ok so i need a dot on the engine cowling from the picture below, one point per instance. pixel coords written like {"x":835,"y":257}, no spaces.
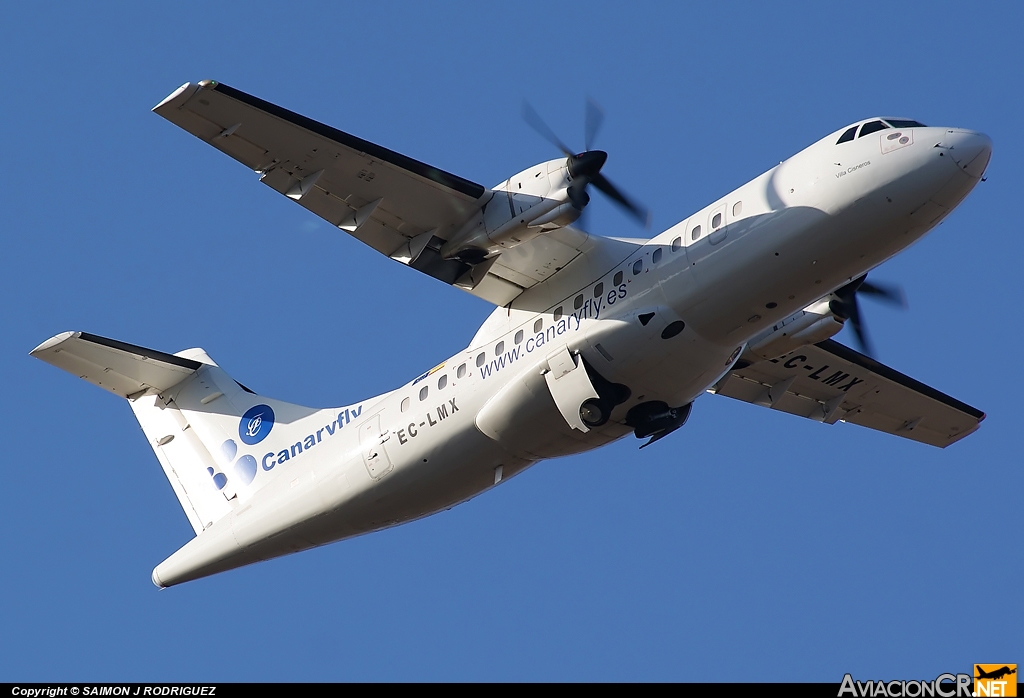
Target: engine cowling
{"x":531,"y":203}
{"x":815,"y":323}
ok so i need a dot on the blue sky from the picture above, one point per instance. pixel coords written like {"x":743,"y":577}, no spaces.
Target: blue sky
{"x":749,"y":546}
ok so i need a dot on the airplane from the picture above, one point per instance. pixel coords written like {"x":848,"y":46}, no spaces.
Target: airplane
{"x":591,"y":338}
{"x":995,"y":673}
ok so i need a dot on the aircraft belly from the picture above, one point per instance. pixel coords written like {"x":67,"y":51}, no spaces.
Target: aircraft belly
{"x":675,"y":368}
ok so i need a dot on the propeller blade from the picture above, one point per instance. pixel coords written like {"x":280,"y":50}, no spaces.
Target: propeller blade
{"x":848,"y":306}
{"x":531,"y":117}
{"x":890,"y":294}
{"x":859,"y":332}
{"x":583,"y":222}
{"x":594,"y":118}
{"x":609,"y":190}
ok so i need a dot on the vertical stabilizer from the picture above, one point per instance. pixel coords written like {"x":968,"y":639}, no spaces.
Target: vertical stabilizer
{"x":203,"y":426}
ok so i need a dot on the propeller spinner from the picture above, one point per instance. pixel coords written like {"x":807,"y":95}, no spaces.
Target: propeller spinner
{"x":585,"y":167}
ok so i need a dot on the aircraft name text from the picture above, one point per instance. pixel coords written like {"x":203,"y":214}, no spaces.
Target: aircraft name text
{"x":834,"y":378}
{"x":272,"y":459}
{"x":431,"y":419}
{"x":590,"y":310}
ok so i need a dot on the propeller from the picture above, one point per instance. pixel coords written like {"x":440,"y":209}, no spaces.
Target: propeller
{"x":585,"y":167}
{"x":846,"y":307}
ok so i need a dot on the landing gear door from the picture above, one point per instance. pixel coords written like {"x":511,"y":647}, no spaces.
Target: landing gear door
{"x":570,"y":386}
{"x":371,"y":443}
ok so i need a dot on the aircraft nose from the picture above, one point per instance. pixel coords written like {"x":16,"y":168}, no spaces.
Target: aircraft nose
{"x":970,"y":150}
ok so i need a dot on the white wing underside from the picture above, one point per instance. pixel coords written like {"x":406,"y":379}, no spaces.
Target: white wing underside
{"x":829,"y":382}
{"x":401,"y":207}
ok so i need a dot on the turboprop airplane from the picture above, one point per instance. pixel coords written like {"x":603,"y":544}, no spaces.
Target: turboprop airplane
{"x":591,"y":338}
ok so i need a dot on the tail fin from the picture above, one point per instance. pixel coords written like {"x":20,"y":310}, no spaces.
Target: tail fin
{"x":195,"y":417}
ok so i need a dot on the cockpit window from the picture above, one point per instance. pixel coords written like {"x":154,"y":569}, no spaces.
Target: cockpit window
{"x":872,"y":127}
{"x":905,"y":123}
{"x":847,"y":135}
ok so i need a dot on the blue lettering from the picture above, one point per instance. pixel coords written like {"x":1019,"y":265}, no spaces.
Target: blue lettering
{"x":272,"y":462}
{"x":297,"y":449}
{"x":310,"y":441}
{"x":282,"y":456}
{"x":330,"y":428}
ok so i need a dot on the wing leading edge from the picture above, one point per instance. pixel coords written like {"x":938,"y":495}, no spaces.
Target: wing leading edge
{"x":829,"y":382}
{"x":399,"y":206}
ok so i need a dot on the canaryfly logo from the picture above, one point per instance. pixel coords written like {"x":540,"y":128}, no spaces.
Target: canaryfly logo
{"x":272,"y":459}
{"x":590,"y":310}
{"x":256,"y":424}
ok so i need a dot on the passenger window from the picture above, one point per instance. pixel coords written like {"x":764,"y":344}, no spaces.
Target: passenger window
{"x":538,"y":326}
{"x":638,"y":266}
{"x":677,"y":244}
{"x":499,"y":348}
{"x":716,"y":221}
{"x":695,"y":233}
{"x":480,"y":358}
{"x":578,"y":303}
{"x":598,"y":290}
{"x":847,"y":135}
{"x":656,"y":257}
{"x":519,"y":336}
{"x":871,"y":127}
{"x":461,"y":373}
{"x":737,"y":209}
{"x":405,"y":404}
{"x":423,"y":393}
{"x":442,"y":382}
{"x":618,"y":278}
{"x":558,"y":313}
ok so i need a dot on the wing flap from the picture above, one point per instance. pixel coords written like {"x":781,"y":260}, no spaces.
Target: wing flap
{"x":124,"y":369}
{"x":829,"y":382}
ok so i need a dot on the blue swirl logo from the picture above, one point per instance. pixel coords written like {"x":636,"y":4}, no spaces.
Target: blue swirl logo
{"x":256,"y":424}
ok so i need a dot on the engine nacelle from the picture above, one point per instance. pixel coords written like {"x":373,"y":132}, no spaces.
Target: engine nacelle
{"x":531,"y":203}
{"x":813,"y":324}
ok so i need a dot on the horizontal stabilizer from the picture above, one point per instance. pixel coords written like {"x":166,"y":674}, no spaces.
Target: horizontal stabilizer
{"x":124,"y":369}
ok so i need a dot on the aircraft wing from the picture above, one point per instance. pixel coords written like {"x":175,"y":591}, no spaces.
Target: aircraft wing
{"x":399,"y":206}
{"x":828,"y":382}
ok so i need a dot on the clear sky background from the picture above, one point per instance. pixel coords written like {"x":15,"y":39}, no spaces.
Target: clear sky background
{"x":749,"y":546}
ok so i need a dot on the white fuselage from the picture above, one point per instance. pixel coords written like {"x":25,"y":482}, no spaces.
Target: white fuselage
{"x":754,"y":257}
